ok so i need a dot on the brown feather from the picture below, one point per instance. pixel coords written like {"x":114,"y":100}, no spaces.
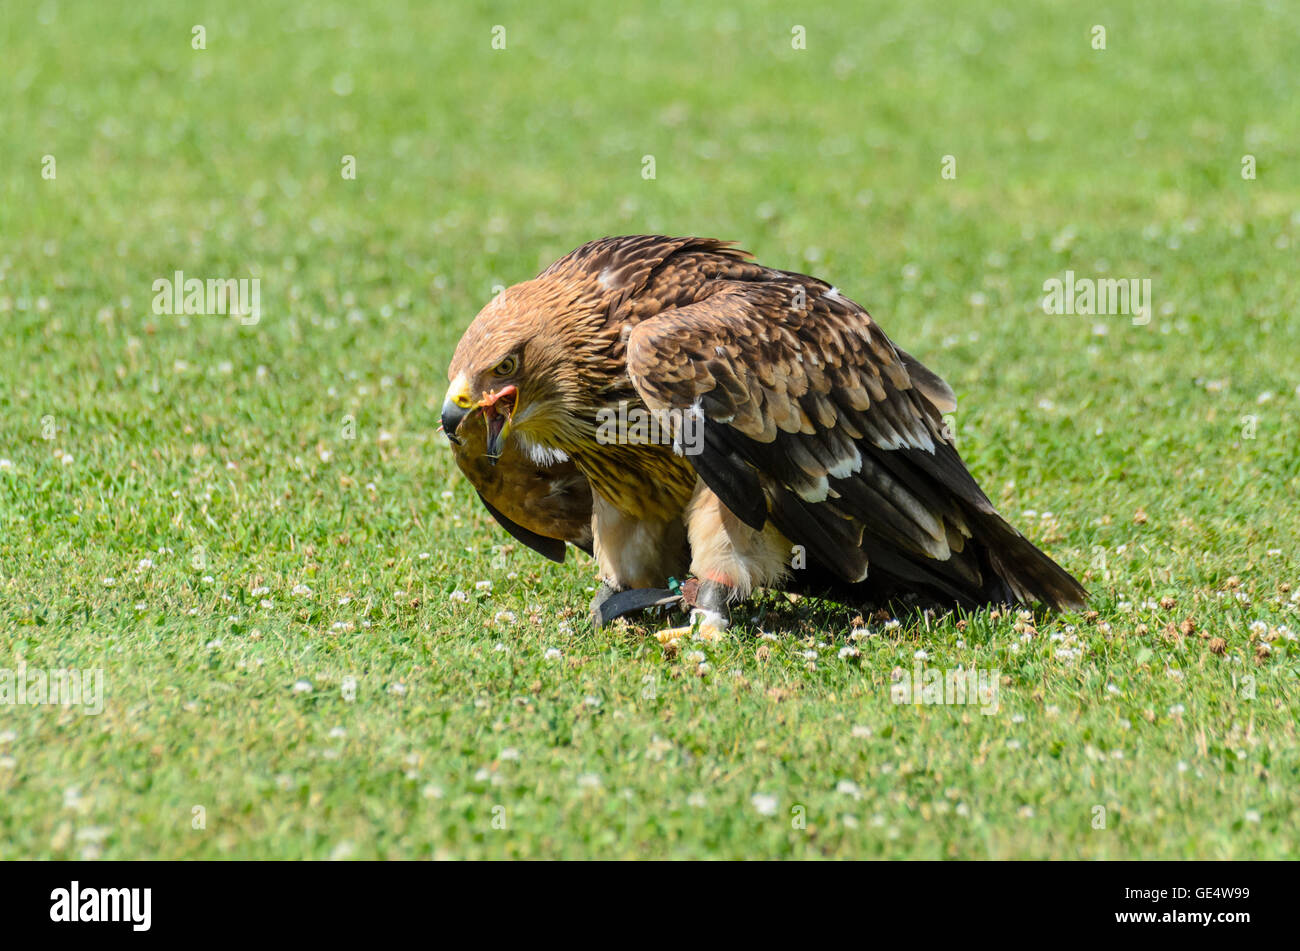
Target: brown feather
{"x":803,"y":395}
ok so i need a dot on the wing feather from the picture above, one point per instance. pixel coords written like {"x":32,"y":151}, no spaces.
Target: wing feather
{"x":816,"y":422}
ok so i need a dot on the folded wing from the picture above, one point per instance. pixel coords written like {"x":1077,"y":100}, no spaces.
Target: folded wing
{"x":815,"y":421}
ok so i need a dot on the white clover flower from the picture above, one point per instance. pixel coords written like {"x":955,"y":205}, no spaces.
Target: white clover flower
{"x":300,"y":591}
{"x":552,"y":653}
{"x":482,"y":585}
{"x":504,"y":617}
{"x":764,"y":803}
{"x":302,"y":686}
{"x":458,"y":597}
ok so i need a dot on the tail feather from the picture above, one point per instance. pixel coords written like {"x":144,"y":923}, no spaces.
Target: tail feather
{"x":1028,"y":573}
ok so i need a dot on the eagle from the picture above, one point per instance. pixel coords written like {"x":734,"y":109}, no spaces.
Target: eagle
{"x":678,"y":410}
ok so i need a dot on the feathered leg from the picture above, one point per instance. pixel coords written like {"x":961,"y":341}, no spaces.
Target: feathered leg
{"x":730,"y":559}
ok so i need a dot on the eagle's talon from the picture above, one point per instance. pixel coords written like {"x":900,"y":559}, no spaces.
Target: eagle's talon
{"x":671,"y":635}
{"x":708,"y":633}
{"x":707,"y":626}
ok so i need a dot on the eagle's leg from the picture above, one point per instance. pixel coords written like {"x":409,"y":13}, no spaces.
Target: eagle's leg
{"x":633,"y":553}
{"x":730,"y":559}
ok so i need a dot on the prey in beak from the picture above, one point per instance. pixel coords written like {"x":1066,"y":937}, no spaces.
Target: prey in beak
{"x":498,"y":408}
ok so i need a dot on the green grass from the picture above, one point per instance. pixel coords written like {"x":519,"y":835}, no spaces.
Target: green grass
{"x":218,"y":451}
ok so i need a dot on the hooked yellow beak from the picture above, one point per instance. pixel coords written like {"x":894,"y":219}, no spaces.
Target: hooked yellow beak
{"x":497,"y":407}
{"x":455,"y":407}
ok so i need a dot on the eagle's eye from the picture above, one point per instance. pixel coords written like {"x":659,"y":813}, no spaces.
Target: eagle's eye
{"x":507,"y":366}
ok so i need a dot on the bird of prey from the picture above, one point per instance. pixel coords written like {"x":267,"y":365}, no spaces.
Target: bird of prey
{"x":797,"y":448}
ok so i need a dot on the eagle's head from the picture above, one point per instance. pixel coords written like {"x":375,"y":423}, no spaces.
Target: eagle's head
{"x":520,"y":365}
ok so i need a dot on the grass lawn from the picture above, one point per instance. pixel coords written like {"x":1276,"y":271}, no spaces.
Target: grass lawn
{"x":257,"y":534}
